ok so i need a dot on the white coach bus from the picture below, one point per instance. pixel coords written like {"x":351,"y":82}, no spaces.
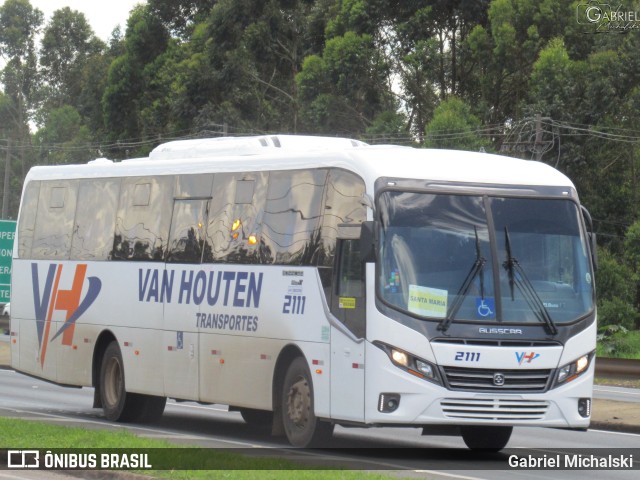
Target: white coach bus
{"x":308,"y":282}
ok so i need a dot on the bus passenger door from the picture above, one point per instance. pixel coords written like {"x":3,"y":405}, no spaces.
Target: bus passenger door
{"x":182,"y":302}
{"x":347,"y":339}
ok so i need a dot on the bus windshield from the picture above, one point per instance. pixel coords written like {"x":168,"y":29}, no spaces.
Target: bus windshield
{"x":441,"y":256}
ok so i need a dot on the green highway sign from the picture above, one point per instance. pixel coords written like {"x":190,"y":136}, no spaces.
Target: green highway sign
{"x":7,"y":234}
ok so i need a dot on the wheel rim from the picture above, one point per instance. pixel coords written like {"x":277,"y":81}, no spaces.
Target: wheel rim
{"x":113,"y":382}
{"x":299,"y":402}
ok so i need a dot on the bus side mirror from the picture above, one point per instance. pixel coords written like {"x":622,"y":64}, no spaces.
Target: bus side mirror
{"x":368,"y":242}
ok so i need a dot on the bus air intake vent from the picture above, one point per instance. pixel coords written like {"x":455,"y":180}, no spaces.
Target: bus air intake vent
{"x":497,"y":343}
{"x":494,"y":409}
{"x":494,"y":380}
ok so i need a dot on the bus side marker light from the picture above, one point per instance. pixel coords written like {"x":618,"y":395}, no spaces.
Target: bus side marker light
{"x":222,"y":361}
{"x":75,"y":347}
{"x":319,"y":371}
{"x":137,"y":352}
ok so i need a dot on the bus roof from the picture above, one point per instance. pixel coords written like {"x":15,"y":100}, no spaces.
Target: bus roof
{"x":291,"y":152}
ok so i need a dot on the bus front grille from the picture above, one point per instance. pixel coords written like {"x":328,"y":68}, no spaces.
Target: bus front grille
{"x":490,"y":380}
{"x":494,"y":409}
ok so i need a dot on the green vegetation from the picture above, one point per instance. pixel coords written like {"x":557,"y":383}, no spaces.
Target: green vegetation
{"x":527,"y":78}
{"x":617,"y":342}
{"x":15,"y":433}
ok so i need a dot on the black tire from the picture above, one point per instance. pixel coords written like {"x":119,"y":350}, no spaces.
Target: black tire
{"x":149,"y":409}
{"x":117,"y":404}
{"x":261,"y":419}
{"x":301,"y":426}
{"x":488,"y":438}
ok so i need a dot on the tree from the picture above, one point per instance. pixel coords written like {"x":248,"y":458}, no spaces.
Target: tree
{"x":19,"y":24}
{"x":504,"y":51}
{"x":181,"y":16}
{"x":454,"y":126}
{"x":343,"y":90}
{"x":64,"y":138}
{"x":145,"y":40}
{"x":254,"y":60}
{"x":68,"y":42}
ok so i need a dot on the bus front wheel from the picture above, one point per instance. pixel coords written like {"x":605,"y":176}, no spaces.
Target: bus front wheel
{"x":493,"y":438}
{"x":261,"y":419}
{"x":302,"y":427}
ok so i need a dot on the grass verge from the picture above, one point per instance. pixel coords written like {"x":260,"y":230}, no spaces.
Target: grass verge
{"x":28,"y":434}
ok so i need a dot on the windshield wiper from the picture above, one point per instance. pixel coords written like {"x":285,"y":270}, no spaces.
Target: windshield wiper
{"x":478,"y":266}
{"x":518,"y":278}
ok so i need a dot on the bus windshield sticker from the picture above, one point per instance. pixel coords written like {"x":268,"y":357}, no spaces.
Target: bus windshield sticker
{"x":344,"y":302}
{"x":428,"y":302}
{"x":486,"y":307}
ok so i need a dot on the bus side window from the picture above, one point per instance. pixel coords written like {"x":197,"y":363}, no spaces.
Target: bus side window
{"x":54,"y":221}
{"x":343,"y":204}
{"x":142,"y":223}
{"x":187,"y":236}
{"x":348,"y":302}
{"x":350,"y":276}
{"x":95,"y":219}
{"x":234,"y":227}
{"x":293,"y":216}
{"x":27,"y":220}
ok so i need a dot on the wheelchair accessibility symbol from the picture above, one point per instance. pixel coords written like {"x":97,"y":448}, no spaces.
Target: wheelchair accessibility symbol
{"x":486,"y":307}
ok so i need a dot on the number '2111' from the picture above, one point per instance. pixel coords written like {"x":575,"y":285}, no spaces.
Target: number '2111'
{"x":294,"y":304}
{"x":467,"y":356}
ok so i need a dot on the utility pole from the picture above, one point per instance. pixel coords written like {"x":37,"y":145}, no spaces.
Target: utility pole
{"x":537,"y":146}
{"x":7,"y":174}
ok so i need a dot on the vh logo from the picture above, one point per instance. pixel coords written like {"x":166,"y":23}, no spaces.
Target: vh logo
{"x":54,"y":298}
{"x":524,"y":357}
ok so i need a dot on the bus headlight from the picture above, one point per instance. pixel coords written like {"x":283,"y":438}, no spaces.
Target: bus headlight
{"x":410,"y":363}
{"x":573,"y":370}
{"x":400,"y":358}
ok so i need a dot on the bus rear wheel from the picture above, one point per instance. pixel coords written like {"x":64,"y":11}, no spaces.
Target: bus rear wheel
{"x":302,"y":427}
{"x":489,"y":438}
{"x":117,"y":404}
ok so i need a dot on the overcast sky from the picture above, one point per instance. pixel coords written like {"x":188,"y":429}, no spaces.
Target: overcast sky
{"x":103,"y":15}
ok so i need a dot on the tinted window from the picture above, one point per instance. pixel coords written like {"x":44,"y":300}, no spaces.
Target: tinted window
{"x":143,"y":219}
{"x":95,"y":219}
{"x":234,"y":230}
{"x":27,"y":221}
{"x":293,"y":215}
{"x":55,"y":218}
{"x":343,"y":204}
{"x":187,"y":238}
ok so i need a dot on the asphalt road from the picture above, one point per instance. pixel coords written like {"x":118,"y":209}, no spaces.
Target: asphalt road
{"x":405,"y":450}
{"x":619,"y":394}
